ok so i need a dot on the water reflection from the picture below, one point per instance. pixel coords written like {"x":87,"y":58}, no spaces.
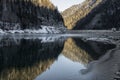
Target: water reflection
{"x":47,"y":58}
{"x":93,"y":48}
{"x":75,"y":53}
{"x":62,"y":69}
{"x":23,"y":59}
{"x":85,"y":51}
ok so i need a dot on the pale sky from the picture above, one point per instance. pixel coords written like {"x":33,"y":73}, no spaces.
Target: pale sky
{"x":64,"y":4}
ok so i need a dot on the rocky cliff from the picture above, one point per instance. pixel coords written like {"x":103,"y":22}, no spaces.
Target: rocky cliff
{"x":28,"y":14}
{"x":94,"y":14}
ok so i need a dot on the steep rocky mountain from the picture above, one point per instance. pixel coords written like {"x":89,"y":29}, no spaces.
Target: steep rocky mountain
{"x":77,"y":12}
{"x":28,"y":14}
{"x":93,"y":14}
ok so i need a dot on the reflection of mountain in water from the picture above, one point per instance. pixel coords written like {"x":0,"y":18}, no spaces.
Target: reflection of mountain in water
{"x":94,"y":48}
{"x":74,"y":52}
{"x":81,"y":51}
{"x":25,"y":59}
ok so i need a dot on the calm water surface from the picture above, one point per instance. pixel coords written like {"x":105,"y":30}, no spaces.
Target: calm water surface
{"x":49,"y":58}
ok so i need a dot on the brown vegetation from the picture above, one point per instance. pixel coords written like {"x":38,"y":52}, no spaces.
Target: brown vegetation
{"x":45,"y":3}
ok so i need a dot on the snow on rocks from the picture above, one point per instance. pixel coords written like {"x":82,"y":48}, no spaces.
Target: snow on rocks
{"x":1,"y":31}
{"x":42,"y":30}
{"x":105,"y":40}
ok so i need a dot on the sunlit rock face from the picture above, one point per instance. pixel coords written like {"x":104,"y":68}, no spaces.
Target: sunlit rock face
{"x":76,"y":12}
{"x":28,"y":14}
{"x":93,"y":14}
{"x":85,"y":51}
{"x":22,"y":59}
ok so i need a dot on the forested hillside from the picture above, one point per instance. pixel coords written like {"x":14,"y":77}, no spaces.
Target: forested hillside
{"x":28,"y":14}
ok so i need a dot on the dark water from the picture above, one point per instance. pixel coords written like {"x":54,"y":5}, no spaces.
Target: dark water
{"x":49,"y":58}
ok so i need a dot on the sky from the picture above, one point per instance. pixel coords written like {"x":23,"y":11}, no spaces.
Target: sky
{"x":64,"y":4}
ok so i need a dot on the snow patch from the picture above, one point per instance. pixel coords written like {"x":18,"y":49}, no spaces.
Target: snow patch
{"x":43,"y":30}
{"x":48,"y":39}
{"x":105,"y":40}
{"x":1,"y":31}
{"x":98,"y":39}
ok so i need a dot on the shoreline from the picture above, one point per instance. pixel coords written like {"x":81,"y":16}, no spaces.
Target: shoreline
{"x":105,"y":68}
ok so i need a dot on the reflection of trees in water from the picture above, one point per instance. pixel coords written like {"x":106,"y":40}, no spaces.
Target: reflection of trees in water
{"x":27,"y":59}
{"x":26,"y":73}
{"x":81,"y":51}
